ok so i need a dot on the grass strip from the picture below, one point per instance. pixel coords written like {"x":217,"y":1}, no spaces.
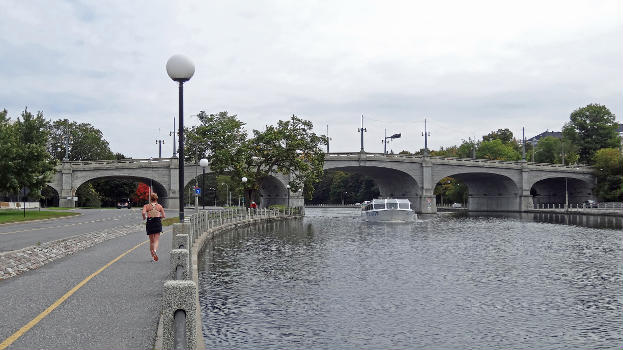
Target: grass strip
{"x":14,"y":215}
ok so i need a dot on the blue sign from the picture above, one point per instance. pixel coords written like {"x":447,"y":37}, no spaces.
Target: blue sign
{"x":197,"y":191}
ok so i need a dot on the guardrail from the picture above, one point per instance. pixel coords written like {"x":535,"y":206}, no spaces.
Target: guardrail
{"x":181,"y":316}
{"x":605,"y":205}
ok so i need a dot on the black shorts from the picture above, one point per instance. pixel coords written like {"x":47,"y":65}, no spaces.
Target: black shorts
{"x":154,"y":225}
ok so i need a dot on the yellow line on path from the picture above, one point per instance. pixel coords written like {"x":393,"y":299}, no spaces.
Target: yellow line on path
{"x":8,"y":341}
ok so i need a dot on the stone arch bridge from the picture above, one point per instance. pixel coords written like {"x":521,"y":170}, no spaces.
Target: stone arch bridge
{"x":492,"y":185}
{"x":163,"y":173}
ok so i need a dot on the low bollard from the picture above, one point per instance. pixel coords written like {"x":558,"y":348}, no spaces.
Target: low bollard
{"x":180,"y":229}
{"x":181,"y":242}
{"x":178,"y":315}
{"x":179,"y":263}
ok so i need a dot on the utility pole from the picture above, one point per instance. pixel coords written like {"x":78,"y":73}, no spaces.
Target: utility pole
{"x":67,"y":139}
{"x":328,"y":138}
{"x":523,"y":150}
{"x":172,"y":133}
{"x":362,"y":130}
{"x":426,"y":134}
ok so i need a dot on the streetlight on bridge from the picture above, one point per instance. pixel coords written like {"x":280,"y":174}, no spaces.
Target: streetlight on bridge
{"x":181,"y":69}
{"x":288,"y":189}
{"x":203,"y":163}
{"x":384,"y":141}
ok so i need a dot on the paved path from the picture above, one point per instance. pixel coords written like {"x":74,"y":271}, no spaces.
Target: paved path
{"x":118,"y":308}
{"x":20,"y":235}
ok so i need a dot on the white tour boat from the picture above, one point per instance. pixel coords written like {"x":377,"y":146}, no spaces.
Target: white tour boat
{"x":388,"y":210}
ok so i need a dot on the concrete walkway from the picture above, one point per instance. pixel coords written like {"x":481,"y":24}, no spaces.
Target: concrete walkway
{"x":118,"y":308}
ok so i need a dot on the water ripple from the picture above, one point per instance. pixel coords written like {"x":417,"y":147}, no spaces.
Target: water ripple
{"x":449,"y":282}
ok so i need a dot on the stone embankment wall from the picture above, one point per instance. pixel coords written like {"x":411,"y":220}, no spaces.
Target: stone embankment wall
{"x":180,"y":322}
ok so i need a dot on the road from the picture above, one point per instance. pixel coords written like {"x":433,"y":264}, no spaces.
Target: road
{"x":117,"y":308}
{"x":20,"y":235}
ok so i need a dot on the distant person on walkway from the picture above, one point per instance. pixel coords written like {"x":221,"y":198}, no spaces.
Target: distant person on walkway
{"x":253,"y":205}
{"x":154,"y":213}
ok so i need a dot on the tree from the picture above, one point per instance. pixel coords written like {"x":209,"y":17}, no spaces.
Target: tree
{"x":450,"y":190}
{"x":504,"y":135}
{"x":32,"y":165}
{"x":608,"y":163}
{"x":112,"y":189}
{"x":497,"y":150}
{"x":8,"y":148}
{"x":142,"y":193}
{"x":591,"y":128}
{"x":85,"y":141}
{"x":551,"y":149}
{"x":289,"y":148}
{"x":87,"y":196}
{"x":220,"y":137}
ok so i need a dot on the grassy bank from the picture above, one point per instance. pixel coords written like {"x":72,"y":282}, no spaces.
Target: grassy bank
{"x":170,"y":221}
{"x":13,"y":215}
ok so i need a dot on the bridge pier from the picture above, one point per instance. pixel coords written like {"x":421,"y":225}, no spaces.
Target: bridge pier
{"x":66,"y":197}
{"x":428,"y":202}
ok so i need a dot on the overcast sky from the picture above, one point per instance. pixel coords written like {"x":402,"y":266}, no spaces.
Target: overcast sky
{"x":468,"y":67}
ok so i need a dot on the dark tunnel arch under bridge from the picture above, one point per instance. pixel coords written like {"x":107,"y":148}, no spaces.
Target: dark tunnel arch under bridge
{"x":391,"y":182}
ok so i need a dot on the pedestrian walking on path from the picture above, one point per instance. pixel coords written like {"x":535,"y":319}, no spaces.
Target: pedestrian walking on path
{"x":154,"y":213}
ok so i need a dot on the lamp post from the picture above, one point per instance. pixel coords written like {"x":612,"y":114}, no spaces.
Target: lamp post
{"x":288,"y":189}
{"x":394,"y":136}
{"x":244,"y":189}
{"x":204,"y":164}
{"x":426,"y":134}
{"x":159,"y":143}
{"x":181,"y":69}
{"x":226,"y":194}
{"x":172,"y":133}
{"x":343,"y":193}
{"x":151,"y":181}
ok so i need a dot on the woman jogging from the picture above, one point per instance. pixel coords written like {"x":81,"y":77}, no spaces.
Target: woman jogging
{"x":154,"y":213}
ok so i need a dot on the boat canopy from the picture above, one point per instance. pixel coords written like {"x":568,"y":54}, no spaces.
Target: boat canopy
{"x":388,"y":203}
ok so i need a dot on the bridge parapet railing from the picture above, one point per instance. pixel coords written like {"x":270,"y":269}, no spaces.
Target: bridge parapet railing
{"x":579,"y":206}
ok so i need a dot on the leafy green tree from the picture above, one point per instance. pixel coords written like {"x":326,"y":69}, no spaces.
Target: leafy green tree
{"x":220,"y":138}
{"x":466,"y":149}
{"x":32,"y":165}
{"x":504,"y":135}
{"x":497,"y":150}
{"x":85,"y":141}
{"x":87,"y":196}
{"x":551,"y":150}
{"x":8,"y":149}
{"x":111,"y":189}
{"x":451,"y":190}
{"x":608,"y":163}
{"x":289,"y":148}
{"x":591,"y":128}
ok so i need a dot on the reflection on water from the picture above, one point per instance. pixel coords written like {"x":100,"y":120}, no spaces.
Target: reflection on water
{"x":331,"y":281}
{"x":594,"y":221}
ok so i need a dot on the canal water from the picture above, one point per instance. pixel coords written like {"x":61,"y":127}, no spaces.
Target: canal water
{"x":330,"y":281}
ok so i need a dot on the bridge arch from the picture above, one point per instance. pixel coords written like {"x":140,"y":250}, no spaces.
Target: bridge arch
{"x":158,"y":188}
{"x":391,"y":182}
{"x":489,"y":191}
{"x":553,"y":190}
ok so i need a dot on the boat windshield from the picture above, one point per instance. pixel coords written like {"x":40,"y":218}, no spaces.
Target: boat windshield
{"x":404,"y":205}
{"x":379,"y":205}
{"x":392,"y":205}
